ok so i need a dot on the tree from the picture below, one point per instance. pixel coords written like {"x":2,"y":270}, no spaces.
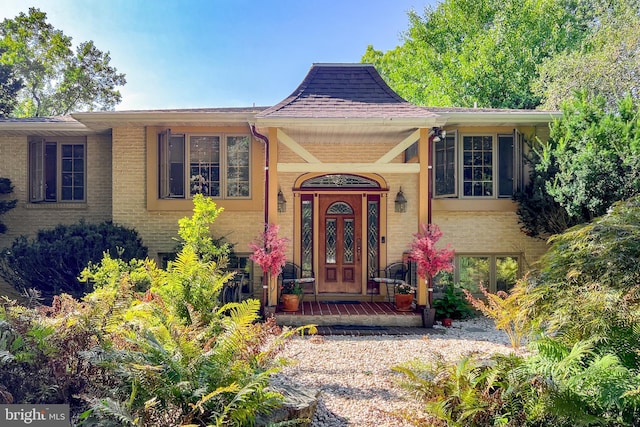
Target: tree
{"x":596,"y":154}
{"x":56,"y":81}
{"x":6,"y":205}
{"x":9,"y":87}
{"x":539,"y":214}
{"x":607,"y":63}
{"x":484,"y":52}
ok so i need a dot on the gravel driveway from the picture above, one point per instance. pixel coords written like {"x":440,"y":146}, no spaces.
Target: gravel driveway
{"x":354,"y":374}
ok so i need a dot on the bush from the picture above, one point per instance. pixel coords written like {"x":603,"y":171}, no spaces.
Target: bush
{"x":5,"y":205}
{"x":148,"y":347}
{"x":588,"y":284}
{"x":452,"y":304}
{"x":53,"y":260}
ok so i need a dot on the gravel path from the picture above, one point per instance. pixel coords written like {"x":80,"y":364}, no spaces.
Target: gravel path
{"x":354,"y":374}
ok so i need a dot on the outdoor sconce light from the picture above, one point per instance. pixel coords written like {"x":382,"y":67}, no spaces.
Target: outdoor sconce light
{"x":400,"y":202}
{"x":439,"y":134}
{"x":282,"y":203}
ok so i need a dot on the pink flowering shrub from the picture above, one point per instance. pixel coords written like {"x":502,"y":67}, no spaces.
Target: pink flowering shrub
{"x":269,"y":250}
{"x":429,"y":260}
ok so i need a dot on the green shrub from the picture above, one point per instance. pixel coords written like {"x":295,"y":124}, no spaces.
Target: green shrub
{"x":587,"y":284}
{"x":52,"y":261}
{"x":556,"y":386}
{"x":147,"y":347}
{"x":5,"y":205}
{"x":452,"y":304}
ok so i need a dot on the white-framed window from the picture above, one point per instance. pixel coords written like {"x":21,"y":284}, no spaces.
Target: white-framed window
{"x":477,"y":165}
{"x":57,"y":170}
{"x":216,"y":165}
{"x":496,"y":272}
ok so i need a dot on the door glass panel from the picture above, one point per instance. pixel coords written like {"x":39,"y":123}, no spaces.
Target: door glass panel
{"x":330,"y":240}
{"x":372,"y":238}
{"x":307,"y":238}
{"x":348,"y":240}
{"x":340,"y":208}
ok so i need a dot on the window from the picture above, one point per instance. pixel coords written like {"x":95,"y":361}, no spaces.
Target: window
{"x":494,"y":272}
{"x":57,"y":171}
{"x":213,"y":165}
{"x":445,"y":166}
{"x":488,"y":164}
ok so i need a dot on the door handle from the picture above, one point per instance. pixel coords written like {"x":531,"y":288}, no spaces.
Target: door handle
{"x":358,"y":249}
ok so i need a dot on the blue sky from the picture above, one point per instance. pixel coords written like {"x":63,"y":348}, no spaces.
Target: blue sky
{"x":223,"y":53}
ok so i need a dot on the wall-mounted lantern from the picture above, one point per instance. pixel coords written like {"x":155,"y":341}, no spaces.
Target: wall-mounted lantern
{"x":282,"y":203}
{"x":400,"y":202}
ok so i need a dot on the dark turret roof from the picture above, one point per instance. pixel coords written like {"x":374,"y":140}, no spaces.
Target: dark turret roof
{"x":344,"y":91}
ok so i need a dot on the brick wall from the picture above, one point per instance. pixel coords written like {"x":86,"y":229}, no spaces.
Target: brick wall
{"x":27,"y":218}
{"x":160,"y":228}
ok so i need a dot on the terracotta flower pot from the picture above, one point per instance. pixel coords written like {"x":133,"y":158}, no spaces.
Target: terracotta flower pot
{"x":446,"y":322}
{"x":403,"y":302}
{"x":290,"y":302}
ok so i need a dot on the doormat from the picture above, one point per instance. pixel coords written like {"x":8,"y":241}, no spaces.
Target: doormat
{"x":358,"y":327}
{"x":340,"y":302}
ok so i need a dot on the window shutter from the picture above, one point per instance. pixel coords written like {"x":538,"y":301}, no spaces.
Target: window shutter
{"x":518,"y":164}
{"x":163,"y":163}
{"x":36,"y":171}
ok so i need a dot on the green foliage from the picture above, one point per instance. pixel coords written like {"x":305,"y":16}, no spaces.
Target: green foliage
{"x":587,"y":283}
{"x":52,"y":261}
{"x":539,"y":214}
{"x":10,"y":85}
{"x":505,"y":309}
{"x":5,"y":205}
{"x":596,"y":155}
{"x":147,"y":347}
{"x":466,"y":52}
{"x":452,"y":304}
{"x":194,"y":231}
{"x":606,"y":64}
{"x":56,"y":80}
{"x":555,"y":386}
{"x":456,"y":395}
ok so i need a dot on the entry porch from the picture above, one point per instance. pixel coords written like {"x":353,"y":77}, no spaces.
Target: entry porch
{"x":364,"y":314}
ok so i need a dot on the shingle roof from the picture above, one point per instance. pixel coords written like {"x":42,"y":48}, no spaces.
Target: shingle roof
{"x":344,"y":91}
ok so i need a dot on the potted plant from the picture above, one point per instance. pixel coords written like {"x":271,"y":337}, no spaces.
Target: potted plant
{"x":452,"y":305}
{"x":269,"y":252}
{"x":291,"y":293}
{"x":430,"y":261}
{"x":404,"y":296}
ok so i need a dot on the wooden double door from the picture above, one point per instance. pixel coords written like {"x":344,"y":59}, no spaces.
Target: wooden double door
{"x":340,"y":244}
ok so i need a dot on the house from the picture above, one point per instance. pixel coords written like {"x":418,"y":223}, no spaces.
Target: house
{"x":347,"y":167}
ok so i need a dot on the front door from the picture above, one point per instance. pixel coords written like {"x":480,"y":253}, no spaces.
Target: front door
{"x":340,"y":258}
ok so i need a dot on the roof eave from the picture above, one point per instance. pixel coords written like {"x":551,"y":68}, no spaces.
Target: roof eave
{"x":44,"y":128}
{"x":478,"y":118}
{"x":111,"y":119}
{"x":416,"y":122}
